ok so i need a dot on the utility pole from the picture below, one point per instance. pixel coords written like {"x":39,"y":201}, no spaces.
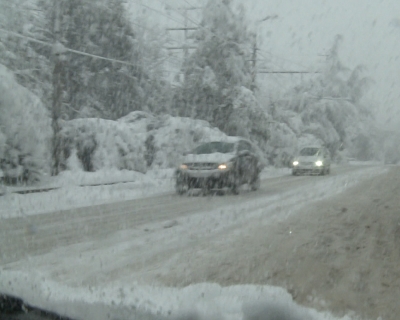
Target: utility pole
{"x":185,"y":47}
{"x":58,"y":51}
{"x":186,"y":51}
{"x":185,"y":29}
{"x":254,"y":53}
{"x":254,"y":63}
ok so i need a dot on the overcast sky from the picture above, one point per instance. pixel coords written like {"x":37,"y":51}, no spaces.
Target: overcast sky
{"x":371,"y":31}
{"x":305,"y":29}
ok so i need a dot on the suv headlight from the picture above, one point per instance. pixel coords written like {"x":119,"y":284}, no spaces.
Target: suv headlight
{"x":225,"y":166}
{"x":295,"y":163}
{"x":319,"y":163}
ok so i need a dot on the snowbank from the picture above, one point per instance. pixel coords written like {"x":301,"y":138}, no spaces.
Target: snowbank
{"x":85,"y":189}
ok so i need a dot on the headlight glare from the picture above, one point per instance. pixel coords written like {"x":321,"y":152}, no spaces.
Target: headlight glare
{"x":225,"y":166}
{"x":183,"y":167}
{"x":319,"y":163}
{"x":295,"y":163}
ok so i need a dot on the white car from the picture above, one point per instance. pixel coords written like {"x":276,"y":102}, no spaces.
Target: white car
{"x":312,"y":160}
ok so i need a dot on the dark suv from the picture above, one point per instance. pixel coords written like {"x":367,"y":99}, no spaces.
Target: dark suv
{"x":220,"y":165}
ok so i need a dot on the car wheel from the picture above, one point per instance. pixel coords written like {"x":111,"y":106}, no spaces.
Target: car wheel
{"x":235,"y":184}
{"x":181,"y":188}
{"x":205,"y":191}
{"x":255,"y":185}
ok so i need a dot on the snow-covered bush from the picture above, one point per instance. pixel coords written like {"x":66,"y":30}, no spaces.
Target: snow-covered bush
{"x":135,"y":142}
{"x":25,"y":132}
{"x":177,"y":135}
{"x":169,"y":137}
{"x":102,"y":144}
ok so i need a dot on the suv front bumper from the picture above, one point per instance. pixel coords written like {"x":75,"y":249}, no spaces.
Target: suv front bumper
{"x":212,"y":179}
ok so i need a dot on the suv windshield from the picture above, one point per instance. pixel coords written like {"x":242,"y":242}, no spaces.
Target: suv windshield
{"x":213,"y":147}
{"x":309,"y":152}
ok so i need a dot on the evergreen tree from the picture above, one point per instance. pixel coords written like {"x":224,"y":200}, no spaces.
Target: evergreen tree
{"x":29,"y":61}
{"x":102,"y":87}
{"x":218,"y":75}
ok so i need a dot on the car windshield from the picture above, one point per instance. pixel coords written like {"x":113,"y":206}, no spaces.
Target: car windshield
{"x":200,"y":159}
{"x":214,"y":147}
{"x":309,"y":152}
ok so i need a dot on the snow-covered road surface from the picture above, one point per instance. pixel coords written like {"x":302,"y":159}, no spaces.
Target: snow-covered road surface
{"x":126,"y":253}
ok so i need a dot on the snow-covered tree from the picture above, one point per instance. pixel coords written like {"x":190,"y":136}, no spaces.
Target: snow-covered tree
{"x":331,"y":108}
{"x":24,"y":131}
{"x":103,"y":87}
{"x":217,"y":75}
{"x":29,"y":61}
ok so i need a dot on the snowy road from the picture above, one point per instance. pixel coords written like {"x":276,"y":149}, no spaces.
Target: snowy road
{"x":36,"y":235}
{"x":160,"y":240}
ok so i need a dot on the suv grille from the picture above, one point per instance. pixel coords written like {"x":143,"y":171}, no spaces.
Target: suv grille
{"x":202,"y":166}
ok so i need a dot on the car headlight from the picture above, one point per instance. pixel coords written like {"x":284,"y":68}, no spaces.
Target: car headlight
{"x":319,"y":163}
{"x":183,"y":167}
{"x":295,"y":163}
{"x":225,"y":166}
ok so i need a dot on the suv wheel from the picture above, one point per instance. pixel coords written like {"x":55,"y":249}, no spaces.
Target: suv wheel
{"x":255,"y":185}
{"x":235,"y":184}
{"x":180,"y":188}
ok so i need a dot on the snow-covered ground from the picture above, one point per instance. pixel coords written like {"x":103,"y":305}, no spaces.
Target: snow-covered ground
{"x":82,"y":189}
{"x":56,"y":280}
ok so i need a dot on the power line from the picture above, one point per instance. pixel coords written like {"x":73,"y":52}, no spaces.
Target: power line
{"x":177,"y":10}
{"x":280,"y":58}
{"x":20,"y":7}
{"x":186,"y":28}
{"x":157,"y":11}
{"x":206,"y":29}
{"x":187,"y":2}
{"x":66,"y":49}
{"x":289,"y":72}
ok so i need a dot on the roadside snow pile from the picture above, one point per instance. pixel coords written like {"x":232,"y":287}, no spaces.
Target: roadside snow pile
{"x":84,"y":189}
{"x":137,"y":142}
{"x":25,"y":131}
